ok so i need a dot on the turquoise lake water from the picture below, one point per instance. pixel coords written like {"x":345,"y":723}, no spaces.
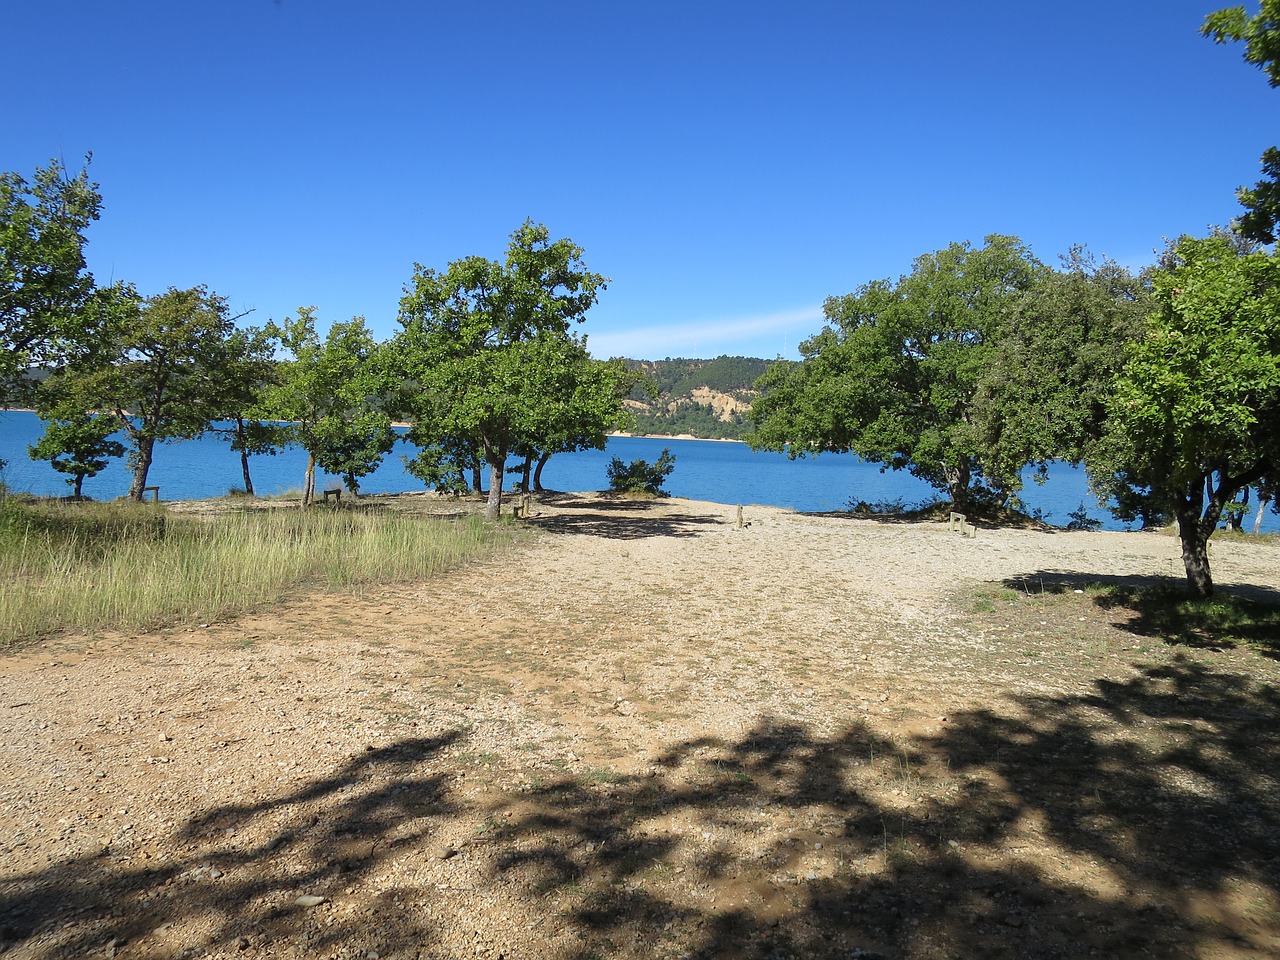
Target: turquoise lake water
{"x":705,"y":470}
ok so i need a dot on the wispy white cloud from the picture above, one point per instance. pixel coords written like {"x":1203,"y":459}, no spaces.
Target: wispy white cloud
{"x":771,"y":333}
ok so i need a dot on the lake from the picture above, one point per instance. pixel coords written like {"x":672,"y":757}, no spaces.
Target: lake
{"x":723,"y":472}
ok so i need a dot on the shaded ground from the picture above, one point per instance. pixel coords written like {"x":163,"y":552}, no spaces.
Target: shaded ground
{"x":648,"y":732}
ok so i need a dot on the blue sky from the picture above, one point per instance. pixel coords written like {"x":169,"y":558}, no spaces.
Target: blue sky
{"x":727,"y":165}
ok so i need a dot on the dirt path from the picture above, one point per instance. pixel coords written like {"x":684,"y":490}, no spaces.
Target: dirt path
{"x":647,"y":732}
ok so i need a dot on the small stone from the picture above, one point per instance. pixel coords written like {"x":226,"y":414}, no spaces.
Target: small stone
{"x":215,"y":873}
{"x":242,"y":943}
{"x":1012,"y":920}
{"x":309,"y":900}
{"x":446,"y":853}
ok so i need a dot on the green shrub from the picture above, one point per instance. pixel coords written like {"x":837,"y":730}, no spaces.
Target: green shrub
{"x":640,"y":476}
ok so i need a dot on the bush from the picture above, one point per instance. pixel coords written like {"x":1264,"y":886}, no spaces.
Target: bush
{"x":1080,"y":519}
{"x":640,"y":476}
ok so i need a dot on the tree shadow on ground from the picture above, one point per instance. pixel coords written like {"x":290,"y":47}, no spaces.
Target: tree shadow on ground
{"x":225,"y":882}
{"x":619,"y":518}
{"x":1007,"y":520}
{"x":1141,"y":817}
{"x":1161,"y":608}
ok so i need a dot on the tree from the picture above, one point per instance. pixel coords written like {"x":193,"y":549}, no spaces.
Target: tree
{"x":45,"y":290}
{"x":331,"y":391}
{"x":482,"y":341}
{"x":248,"y":371}
{"x":1261,"y":37}
{"x":575,"y":402}
{"x":894,"y":374}
{"x":1042,"y":395}
{"x":78,"y":444}
{"x":161,"y":371}
{"x":1195,"y":413}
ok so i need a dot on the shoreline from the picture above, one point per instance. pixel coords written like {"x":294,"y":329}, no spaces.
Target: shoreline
{"x":673,"y":436}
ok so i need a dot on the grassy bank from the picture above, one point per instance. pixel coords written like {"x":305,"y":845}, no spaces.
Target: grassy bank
{"x":88,"y":566}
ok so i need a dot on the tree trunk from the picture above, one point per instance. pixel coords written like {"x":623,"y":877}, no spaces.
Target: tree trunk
{"x":1235,"y":518}
{"x":309,"y":480}
{"x":525,"y":473}
{"x":958,"y":487}
{"x":477,"y":479}
{"x":141,"y":466}
{"x":244,"y":457}
{"x":1257,"y":520}
{"x":1197,"y":516}
{"x":497,"y":466}
{"x":78,"y":485}
{"x":1195,"y":552}
{"x":537,"y":473}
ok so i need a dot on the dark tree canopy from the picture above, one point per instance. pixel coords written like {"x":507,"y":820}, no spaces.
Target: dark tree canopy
{"x":894,"y":375}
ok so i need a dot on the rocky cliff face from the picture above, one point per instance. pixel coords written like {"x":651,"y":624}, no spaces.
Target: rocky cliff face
{"x":700,"y":398}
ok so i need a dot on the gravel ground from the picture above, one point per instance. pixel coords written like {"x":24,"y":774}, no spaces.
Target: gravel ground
{"x":647,"y":731}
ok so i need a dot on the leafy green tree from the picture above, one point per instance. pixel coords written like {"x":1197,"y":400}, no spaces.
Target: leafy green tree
{"x":575,"y":402}
{"x":78,"y":444}
{"x":483,"y":342}
{"x":1194,"y":417}
{"x":1261,"y":37}
{"x":1042,"y":395}
{"x":641,"y":476}
{"x":161,"y":370}
{"x":46,"y":293}
{"x":331,"y":391}
{"x":248,"y":373}
{"x":444,"y":466}
{"x":894,"y":375}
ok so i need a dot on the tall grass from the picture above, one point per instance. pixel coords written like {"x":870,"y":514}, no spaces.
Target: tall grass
{"x":81,"y":567}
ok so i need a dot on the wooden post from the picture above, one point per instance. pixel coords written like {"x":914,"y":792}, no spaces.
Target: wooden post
{"x":739,"y":516}
{"x":154,"y":491}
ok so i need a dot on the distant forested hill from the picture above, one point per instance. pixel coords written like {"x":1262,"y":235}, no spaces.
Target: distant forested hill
{"x":703,"y":398}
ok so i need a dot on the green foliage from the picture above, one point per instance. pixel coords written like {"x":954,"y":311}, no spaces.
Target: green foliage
{"x":487,"y":360}
{"x":1043,"y":393}
{"x":78,"y":444}
{"x":248,"y":373}
{"x":1080,"y":519}
{"x":681,"y":376}
{"x":640,"y":476}
{"x":894,"y":375}
{"x":1261,"y":37}
{"x":162,"y":369}
{"x":440,"y":466}
{"x":331,"y":391}
{"x":1193,"y":415}
{"x":46,"y":293}
{"x":1260,"y":34}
